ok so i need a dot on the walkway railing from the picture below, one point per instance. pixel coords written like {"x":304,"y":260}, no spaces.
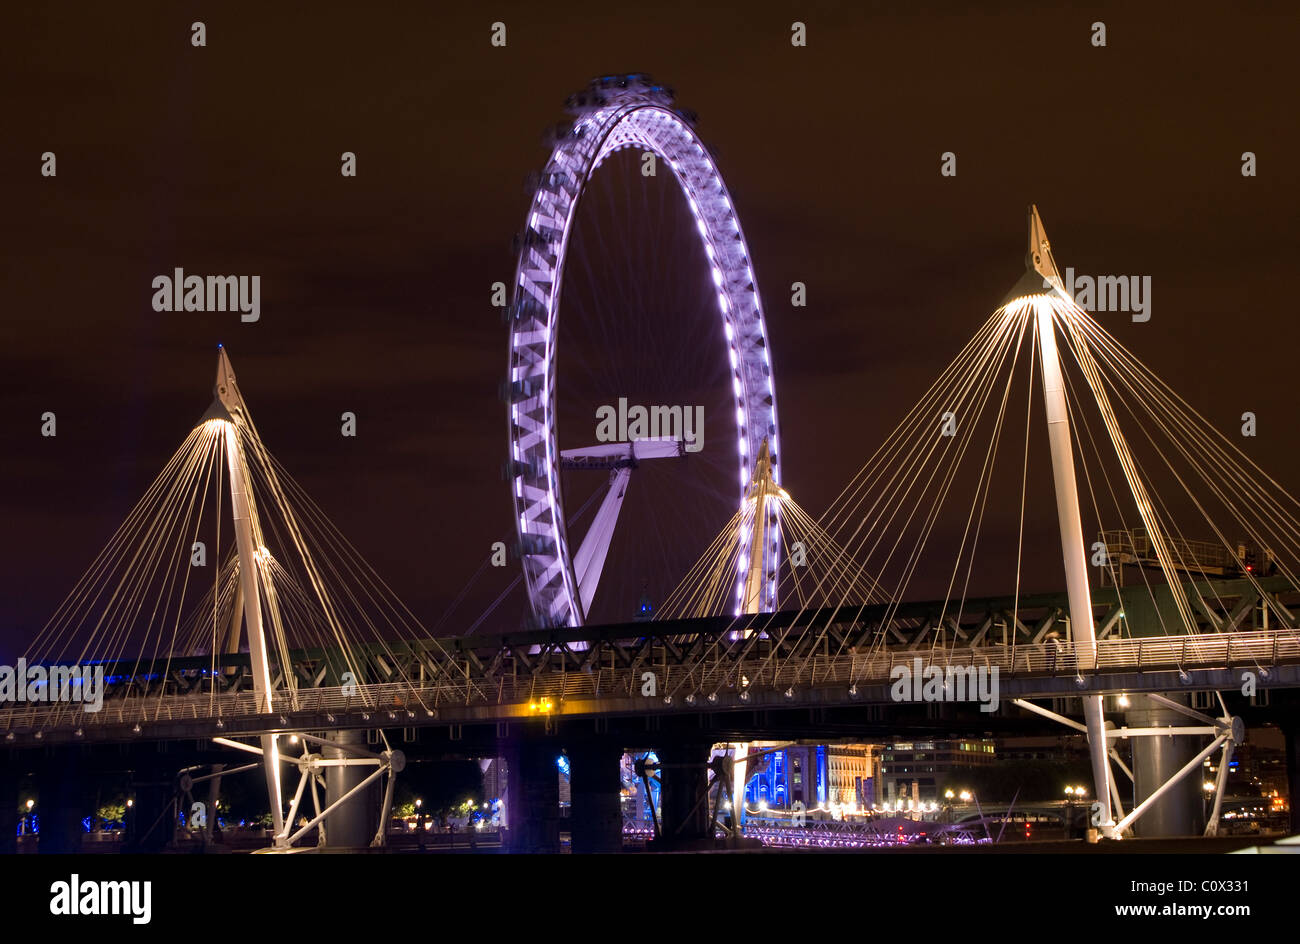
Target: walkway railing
{"x":727,"y":669}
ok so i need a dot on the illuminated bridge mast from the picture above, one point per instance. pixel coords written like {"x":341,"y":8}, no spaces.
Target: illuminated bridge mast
{"x":229,"y":410}
{"x":1042,"y":277}
{"x":759,"y":537}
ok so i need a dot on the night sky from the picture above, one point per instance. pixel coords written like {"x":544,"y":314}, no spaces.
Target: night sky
{"x":375,"y":289}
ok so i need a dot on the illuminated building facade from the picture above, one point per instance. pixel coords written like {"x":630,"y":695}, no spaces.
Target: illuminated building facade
{"x":781,"y":778}
{"x":916,"y":770}
{"x":851,"y":774}
{"x":811,"y":774}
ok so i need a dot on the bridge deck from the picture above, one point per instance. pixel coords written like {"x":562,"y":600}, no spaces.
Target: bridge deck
{"x":725,"y":675}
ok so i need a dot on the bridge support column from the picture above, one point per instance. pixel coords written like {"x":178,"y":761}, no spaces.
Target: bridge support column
{"x":62,"y":779}
{"x":1179,"y":812}
{"x":497,"y":786}
{"x":684,"y":795}
{"x":214,"y":794}
{"x":151,"y":818}
{"x":9,"y":800}
{"x":1291,"y":735}
{"x":533,"y":796}
{"x":353,"y":824}
{"x":596,"y":816}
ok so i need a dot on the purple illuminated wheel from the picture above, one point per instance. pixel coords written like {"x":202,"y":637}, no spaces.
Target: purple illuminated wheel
{"x":612,"y":114}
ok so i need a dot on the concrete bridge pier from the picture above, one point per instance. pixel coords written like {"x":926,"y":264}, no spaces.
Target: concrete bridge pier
{"x":151,"y":818}
{"x":62,"y":780}
{"x":533,"y":795}
{"x":1291,"y":734}
{"x":683,"y":796}
{"x":9,"y":800}
{"x":596,"y":817}
{"x":1180,"y":812}
{"x":353,"y":824}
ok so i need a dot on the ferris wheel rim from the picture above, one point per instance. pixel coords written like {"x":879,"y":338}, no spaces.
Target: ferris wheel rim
{"x":636,"y":117}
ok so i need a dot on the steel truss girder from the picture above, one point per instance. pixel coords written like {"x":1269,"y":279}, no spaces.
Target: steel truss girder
{"x":485,"y":659}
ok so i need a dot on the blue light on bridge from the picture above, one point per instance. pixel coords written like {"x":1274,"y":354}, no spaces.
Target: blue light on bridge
{"x":115,"y":679}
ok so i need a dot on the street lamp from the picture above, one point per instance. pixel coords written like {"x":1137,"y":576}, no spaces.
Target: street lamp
{"x":1072,"y":794}
{"x":1208,"y":787}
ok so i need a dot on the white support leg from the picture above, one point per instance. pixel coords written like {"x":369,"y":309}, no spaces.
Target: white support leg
{"x":385,"y":810}
{"x":739,"y":779}
{"x":621,"y":458}
{"x":1220,"y":787}
{"x":1117,"y":807}
{"x":1082,"y":632}
{"x":590,"y":560}
{"x":240,"y":508}
{"x":304,"y":774}
{"x":315,"y":806}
